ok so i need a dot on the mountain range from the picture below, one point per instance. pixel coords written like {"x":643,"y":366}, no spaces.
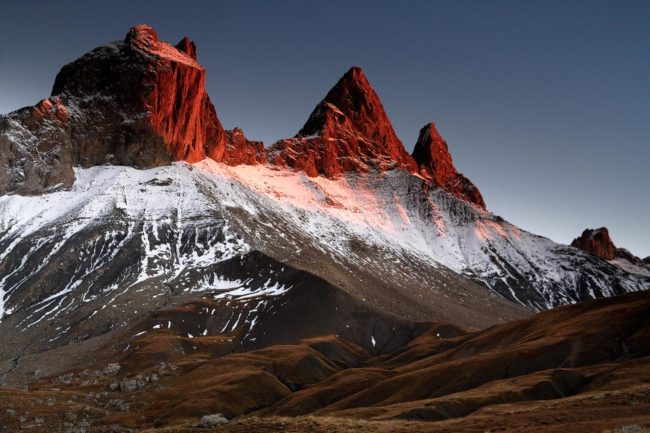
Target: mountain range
{"x":135,"y":231}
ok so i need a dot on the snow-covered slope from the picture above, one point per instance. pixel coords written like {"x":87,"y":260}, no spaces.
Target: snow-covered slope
{"x":632,"y":267}
{"x":392,"y":210}
{"x":124,"y":242}
{"x":168,"y":213}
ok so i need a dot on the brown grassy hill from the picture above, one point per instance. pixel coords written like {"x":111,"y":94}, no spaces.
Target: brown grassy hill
{"x":578,"y":368}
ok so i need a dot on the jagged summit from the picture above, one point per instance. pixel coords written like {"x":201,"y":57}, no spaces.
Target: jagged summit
{"x":150,"y":101}
{"x":188,"y":47}
{"x":435,"y":164}
{"x":347,"y":131}
{"x":142,"y":102}
{"x":350,"y":107}
{"x":139,"y":101}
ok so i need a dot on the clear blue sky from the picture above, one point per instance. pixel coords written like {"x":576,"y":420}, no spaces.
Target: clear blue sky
{"x":545,"y":104}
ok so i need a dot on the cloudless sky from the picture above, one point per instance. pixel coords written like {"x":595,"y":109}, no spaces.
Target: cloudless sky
{"x":545,"y":104}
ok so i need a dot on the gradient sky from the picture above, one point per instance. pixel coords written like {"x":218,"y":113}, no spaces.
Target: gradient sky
{"x":545,"y":104}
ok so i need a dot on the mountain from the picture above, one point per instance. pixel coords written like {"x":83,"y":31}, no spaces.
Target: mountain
{"x":147,"y":101}
{"x":124,"y":196}
{"x":125,"y":242}
{"x":138,"y":102}
{"x":348,"y":132}
{"x":599,"y":243}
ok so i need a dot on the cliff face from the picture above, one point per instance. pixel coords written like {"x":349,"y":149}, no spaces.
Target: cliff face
{"x":435,"y":164}
{"x":140,"y":102}
{"x":348,"y":131}
{"x":240,"y":150}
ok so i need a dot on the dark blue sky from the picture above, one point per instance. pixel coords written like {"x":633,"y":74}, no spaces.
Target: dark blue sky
{"x":545,"y":104}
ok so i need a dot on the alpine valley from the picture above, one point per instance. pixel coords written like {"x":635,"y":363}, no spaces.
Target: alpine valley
{"x":160,"y":272}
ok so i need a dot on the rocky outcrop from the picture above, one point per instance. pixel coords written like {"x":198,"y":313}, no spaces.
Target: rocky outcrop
{"x":348,"y":131}
{"x":599,"y":243}
{"x":596,"y":242}
{"x":435,"y":164}
{"x":240,"y":150}
{"x":140,"y":102}
{"x":35,"y":149}
{"x":213,"y":420}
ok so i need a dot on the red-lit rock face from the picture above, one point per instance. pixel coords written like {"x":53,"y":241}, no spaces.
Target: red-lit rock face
{"x":435,"y":164}
{"x":188,"y":47}
{"x":348,"y":131}
{"x":142,"y":102}
{"x":139,"y":102}
{"x":49,"y":108}
{"x":240,"y":150}
{"x":145,"y":103}
{"x":596,"y":242}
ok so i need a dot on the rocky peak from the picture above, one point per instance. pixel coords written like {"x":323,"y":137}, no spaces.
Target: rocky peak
{"x":241,"y":150}
{"x":596,"y":242}
{"x":435,"y":164}
{"x":143,"y":103}
{"x":599,"y":243}
{"x":142,"y":35}
{"x":347,"y":131}
{"x":351,"y":106}
{"x":188,"y":47}
{"x":139,"y":101}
